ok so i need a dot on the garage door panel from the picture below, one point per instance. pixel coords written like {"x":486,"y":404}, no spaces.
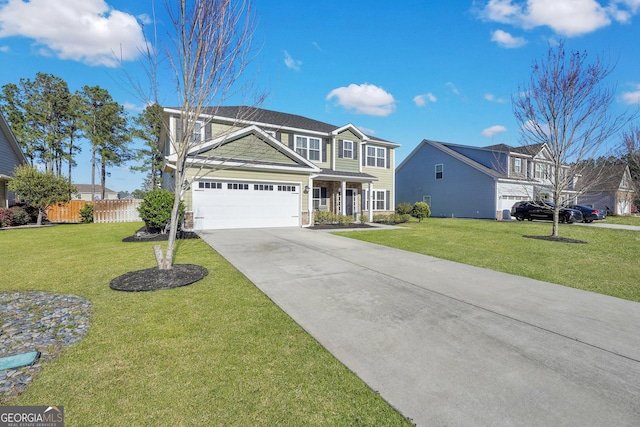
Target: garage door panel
{"x":224,"y":207}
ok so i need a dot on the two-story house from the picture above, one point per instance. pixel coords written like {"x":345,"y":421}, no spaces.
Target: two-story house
{"x":10,"y":156}
{"x":474,"y":182}
{"x":252,"y":167}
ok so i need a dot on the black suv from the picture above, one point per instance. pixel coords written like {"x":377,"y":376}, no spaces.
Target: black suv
{"x":543,"y":210}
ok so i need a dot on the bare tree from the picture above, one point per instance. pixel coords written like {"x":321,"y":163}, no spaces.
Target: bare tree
{"x":566,"y":106}
{"x":209,"y":48}
{"x":630,"y":152}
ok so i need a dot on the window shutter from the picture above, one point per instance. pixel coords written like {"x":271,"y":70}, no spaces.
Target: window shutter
{"x":207,"y":131}
{"x":339,"y":148}
{"x":388,"y":158}
{"x":388,"y":200}
{"x":364,"y":155}
{"x":178,"y":129}
{"x":291,"y":144}
{"x":356,"y":147}
{"x":325,"y":142}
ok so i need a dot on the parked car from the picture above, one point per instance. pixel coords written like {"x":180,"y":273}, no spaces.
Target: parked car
{"x":589,"y":214}
{"x":543,"y":210}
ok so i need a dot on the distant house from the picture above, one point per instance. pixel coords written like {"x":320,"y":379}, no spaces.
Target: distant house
{"x":84,"y":192}
{"x":474,"y":182}
{"x":10,"y":156}
{"x":610,"y":189}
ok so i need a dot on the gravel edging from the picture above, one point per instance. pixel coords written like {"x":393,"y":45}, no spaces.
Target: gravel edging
{"x":37,"y":321}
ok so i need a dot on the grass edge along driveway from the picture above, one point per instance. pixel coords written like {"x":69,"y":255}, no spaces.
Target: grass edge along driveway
{"x":608,"y":264}
{"x":218,"y":352}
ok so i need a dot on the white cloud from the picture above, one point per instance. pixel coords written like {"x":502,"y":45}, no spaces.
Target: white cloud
{"x":453,"y":88}
{"x":491,"y":98}
{"x":366,"y":131}
{"x":506,"y":40}
{"x":633,"y":97}
{"x":566,"y":17}
{"x":421,"y":100}
{"x":4,"y":49}
{"x":364,"y":99}
{"x":89,"y":31}
{"x":490,"y":132}
{"x":291,"y":63}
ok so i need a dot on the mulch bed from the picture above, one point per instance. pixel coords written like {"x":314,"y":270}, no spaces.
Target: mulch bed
{"x":339,"y":226}
{"x":154,"y":279}
{"x":142,"y":236}
{"x":556,"y":239}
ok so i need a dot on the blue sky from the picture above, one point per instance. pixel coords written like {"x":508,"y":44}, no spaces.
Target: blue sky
{"x":402,"y":71}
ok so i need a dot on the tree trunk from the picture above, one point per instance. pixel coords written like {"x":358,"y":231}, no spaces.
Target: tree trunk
{"x":103,"y":177}
{"x":93,"y":173}
{"x":40,"y":215}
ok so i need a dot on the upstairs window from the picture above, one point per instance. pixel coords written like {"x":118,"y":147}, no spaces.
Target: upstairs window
{"x":376,"y":157}
{"x":517,"y":165}
{"x":198,"y":132}
{"x":347,"y":149}
{"x":309,"y":148}
{"x":439,"y":171}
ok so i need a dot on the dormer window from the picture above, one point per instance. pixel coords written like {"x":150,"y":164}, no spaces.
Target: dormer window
{"x":517,"y":165}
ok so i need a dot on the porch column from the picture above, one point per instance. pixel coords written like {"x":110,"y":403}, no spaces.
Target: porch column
{"x":343,"y":197}
{"x":370,"y":195}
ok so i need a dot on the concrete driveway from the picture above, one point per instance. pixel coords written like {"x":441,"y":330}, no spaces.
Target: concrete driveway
{"x":446,"y":343}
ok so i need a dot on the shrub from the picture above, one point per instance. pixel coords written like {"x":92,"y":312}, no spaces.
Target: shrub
{"x":323,"y":217}
{"x":86,"y":213}
{"x":6,"y":217}
{"x":155,"y":209}
{"x":420,"y":210}
{"x":20,"y":216}
{"x":404,"y":208}
{"x":391,"y":219}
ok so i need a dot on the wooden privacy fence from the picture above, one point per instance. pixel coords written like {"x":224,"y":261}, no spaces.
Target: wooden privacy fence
{"x":66,"y":212}
{"x":103,"y":211}
{"x":116,"y":210}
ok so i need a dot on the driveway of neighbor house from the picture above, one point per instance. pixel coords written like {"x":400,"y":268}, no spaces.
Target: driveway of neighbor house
{"x":446,"y":343}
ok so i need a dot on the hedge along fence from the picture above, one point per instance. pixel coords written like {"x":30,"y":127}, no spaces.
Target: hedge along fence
{"x":104,"y":211}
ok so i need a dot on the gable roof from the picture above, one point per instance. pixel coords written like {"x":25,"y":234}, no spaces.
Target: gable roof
{"x":86,"y":188}
{"x":604,"y":178}
{"x":12,"y":142}
{"x":529,"y":150}
{"x":297,"y":162}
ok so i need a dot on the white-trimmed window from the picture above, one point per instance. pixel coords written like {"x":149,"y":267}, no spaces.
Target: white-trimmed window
{"x":376,"y":157}
{"x":378,"y":198}
{"x":319,"y":197}
{"x":309,"y":148}
{"x":347,"y":149}
{"x":198,"y":132}
{"x":517,"y":165}
{"x":439,"y":171}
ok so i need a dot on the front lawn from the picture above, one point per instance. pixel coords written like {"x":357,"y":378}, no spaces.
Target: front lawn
{"x":218,"y":352}
{"x":609,"y":263}
{"x":624,"y":219}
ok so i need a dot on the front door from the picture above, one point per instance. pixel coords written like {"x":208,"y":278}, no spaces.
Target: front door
{"x":350,"y":197}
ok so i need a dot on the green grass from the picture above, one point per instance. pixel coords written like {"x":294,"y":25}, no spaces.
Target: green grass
{"x":626,"y":220}
{"x":218,"y":352}
{"x":609,"y":263}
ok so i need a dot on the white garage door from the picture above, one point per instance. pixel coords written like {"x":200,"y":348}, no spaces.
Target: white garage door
{"x":234,"y":204}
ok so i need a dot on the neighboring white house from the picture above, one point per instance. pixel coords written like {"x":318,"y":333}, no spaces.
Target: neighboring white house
{"x":474,"y":182}
{"x":10,"y":156}
{"x":84,"y":192}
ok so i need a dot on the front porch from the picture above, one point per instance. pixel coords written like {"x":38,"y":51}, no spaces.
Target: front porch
{"x":327,"y":190}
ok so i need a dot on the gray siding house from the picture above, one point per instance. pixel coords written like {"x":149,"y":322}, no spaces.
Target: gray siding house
{"x":609,"y":190}
{"x":10,"y":156}
{"x":473,"y":182}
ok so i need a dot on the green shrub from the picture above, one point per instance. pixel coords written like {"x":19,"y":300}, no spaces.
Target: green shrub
{"x":391,"y":219}
{"x":420,"y":210}
{"x":323,"y":217}
{"x":155,"y":209}
{"x":86,"y":213}
{"x":404,"y":208}
{"x":6,"y":217}
{"x":20,"y":216}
